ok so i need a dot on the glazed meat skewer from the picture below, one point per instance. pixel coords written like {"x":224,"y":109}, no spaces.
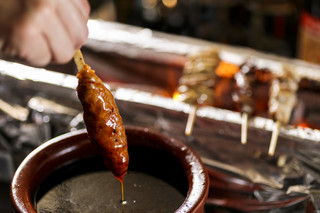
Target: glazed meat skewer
{"x":102,"y":119}
{"x":196,"y":85}
{"x":281,"y":103}
{"x":245,"y":78}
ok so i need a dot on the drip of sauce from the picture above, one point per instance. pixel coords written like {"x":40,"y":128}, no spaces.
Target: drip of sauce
{"x":122,"y":193}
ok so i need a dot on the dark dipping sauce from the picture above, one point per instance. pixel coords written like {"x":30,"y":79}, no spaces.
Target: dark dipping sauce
{"x":86,"y":186}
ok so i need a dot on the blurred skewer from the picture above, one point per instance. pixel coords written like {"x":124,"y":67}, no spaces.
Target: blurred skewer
{"x":191,"y":118}
{"x":15,"y":111}
{"x":281,"y":103}
{"x":197,"y":82}
{"x":274,"y":138}
{"x":244,"y":95}
{"x":244,"y":128}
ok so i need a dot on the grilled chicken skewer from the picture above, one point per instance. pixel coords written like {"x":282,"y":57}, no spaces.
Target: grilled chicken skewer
{"x":281,"y":103}
{"x":197,"y":82}
{"x":244,"y":95}
{"x":102,"y":119}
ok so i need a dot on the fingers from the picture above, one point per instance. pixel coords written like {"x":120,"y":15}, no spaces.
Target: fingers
{"x":41,"y":56}
{"x":28,"y":43}
{"x":52,"y":33}
{"x":83,"y":7}
{"x":74,"y":22}
{"x":53,"y":29}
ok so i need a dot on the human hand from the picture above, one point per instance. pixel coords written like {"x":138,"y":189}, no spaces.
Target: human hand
{"x":47,"y":31}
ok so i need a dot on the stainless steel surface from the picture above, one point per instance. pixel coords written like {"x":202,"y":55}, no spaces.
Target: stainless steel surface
{"x":125,"y":39}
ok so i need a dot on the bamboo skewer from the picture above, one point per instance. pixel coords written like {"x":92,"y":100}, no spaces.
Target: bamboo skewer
{"x":197,"y":82}
{"x":244,"y":128}
{"x":78,"y":59}
{"x":191,"y":118}
{"x":244,"y":95}
{"x":274,"y":138}
{"x":282,"y":101}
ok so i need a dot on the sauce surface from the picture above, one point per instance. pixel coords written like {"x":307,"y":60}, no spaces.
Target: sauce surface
{"x":99,"y":192}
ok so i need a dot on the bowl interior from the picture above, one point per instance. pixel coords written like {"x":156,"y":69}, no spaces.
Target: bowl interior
{"x":72,"y":155}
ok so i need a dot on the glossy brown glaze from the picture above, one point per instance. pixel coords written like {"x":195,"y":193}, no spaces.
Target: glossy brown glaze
{"x":103,"y":121}
{"x":75,"y":146}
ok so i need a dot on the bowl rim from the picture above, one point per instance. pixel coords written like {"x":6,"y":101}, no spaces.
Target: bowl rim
{"x":22,"y":195}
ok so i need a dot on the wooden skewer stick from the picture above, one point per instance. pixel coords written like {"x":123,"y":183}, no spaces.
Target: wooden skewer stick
{"x":78,"y":59}
{"x":244,"y":128}
{"x":191,"y":118}
{"x":274,"y":138}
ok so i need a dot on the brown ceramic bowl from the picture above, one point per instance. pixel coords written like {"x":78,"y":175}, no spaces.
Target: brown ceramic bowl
{"x":164,"y":157}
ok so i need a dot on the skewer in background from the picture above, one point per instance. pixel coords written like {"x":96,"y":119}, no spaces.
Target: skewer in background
{"x":196,"y":85}
{"x":281,"y":102}
{"x":274,"y":138}
{"x":244,"y":95}
{"x":244,"y":128}
{"x":190,"y":121}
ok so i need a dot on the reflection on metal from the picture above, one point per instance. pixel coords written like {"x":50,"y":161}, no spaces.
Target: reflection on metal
{"x":106,"y":33}
{"x":42,"y":104}
{"x":214,"y":113}
{"x":17,"y":112}
{"x":23,"y":72}
{"x":103,"y":34}
{"x":251,"y":174}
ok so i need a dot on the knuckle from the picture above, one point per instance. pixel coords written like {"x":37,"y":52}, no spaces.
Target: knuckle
{"x":28,"y":31}
{"x":86,"y":6}
{"x":37,"y":60}
{"x":88,"y":9}
{"x":28,"y":35}
{"x":64,"y":56}
{"x":83,"y":36}
{"x":45,"y":10}
{"x":80,"y":38}
{"x":43,"y":62}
